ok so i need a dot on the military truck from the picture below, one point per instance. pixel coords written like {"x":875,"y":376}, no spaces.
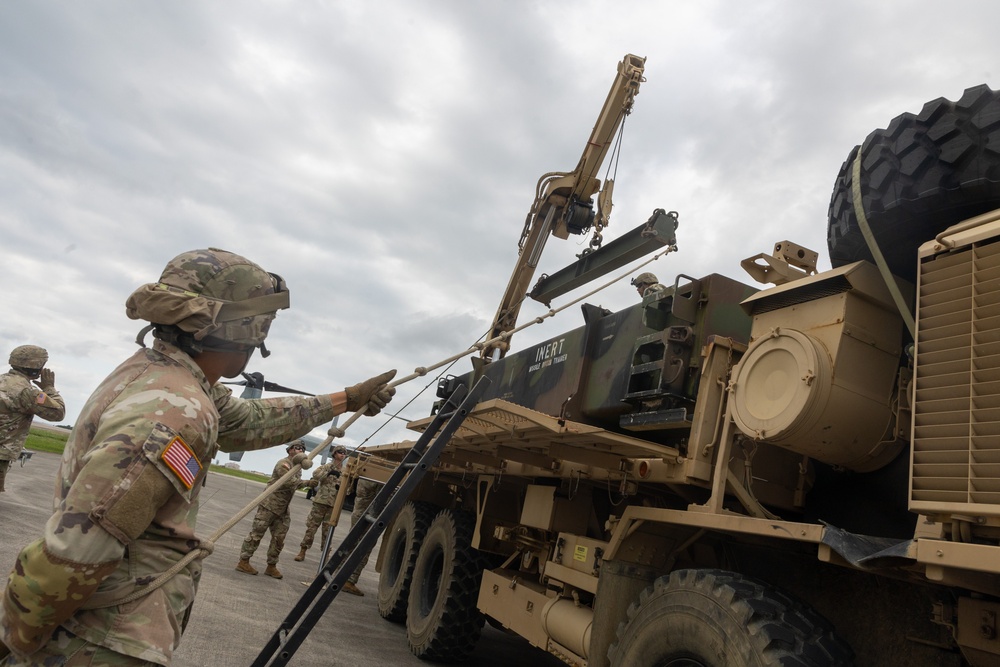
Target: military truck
{"x":801,"y":473}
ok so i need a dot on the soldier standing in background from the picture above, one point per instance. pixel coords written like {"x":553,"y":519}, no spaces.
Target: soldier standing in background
{"x":646,"y":284}
{"x":126,"y":500}
{"x":327,"y":481}
{"x":272,"y":514}
{"x":20,"y":401}
{"x":365,"y":494}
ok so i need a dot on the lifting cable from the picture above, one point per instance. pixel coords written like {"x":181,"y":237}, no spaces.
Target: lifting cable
{"x":304,"y":461}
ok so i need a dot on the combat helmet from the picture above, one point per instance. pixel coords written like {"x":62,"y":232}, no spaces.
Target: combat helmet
{"x":646,"y":278}
{"x":29,"y":359}
{"x":295,"y":444}
{"x":210,"y":299}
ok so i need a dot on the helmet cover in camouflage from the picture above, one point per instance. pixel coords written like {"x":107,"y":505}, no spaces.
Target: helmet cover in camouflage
{"x":295,"y":444}
{"x":339,"y":449}
{"x":644,"y":279}
{"x":212,"y":292}
{"x":28,"y":356}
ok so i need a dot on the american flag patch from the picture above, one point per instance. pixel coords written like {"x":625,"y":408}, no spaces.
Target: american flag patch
{"x":179,"y":458}
{"x":40,"y":398}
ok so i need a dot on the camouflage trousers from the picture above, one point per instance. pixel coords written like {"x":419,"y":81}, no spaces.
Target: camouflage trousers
{"x":65,"y":649}
{"x":263,"y":521}
{"x":4,"y":467}
{"x":366,"y":492}
{"x":318,"y":516}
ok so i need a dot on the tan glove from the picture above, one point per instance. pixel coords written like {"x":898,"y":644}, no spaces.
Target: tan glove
{"x":374,"y":393}
{"x":47,"y":381}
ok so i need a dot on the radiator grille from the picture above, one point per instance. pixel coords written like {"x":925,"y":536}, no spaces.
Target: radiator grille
{"x":956,"y":414}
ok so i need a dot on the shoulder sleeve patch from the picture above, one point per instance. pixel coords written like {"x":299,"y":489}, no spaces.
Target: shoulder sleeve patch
{"x":182,"y":461}
{"x":40,"y":399}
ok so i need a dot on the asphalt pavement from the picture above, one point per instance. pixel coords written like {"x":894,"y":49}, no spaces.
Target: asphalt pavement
{"x":235,"y":614}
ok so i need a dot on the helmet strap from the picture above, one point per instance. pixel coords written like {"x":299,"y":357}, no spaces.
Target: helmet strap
{"x":169,"y":333}
{"x":140,"y":338}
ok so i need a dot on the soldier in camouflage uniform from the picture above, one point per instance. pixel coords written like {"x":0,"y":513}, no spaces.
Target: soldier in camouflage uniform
{"x":646,"y":284}
{"x":365,"y":493}
{"x":272,"y":514}
{"x":126,"y":498}
{"x":327,"y":481}
{"x":20,"y":401}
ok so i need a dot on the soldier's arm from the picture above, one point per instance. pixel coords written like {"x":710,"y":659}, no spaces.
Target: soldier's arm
{"x":283,"y":466}
{"x":122,"y":484}
{"x":44,"y":589}
{"x":248,"y":424}
{"x":47,"y":403}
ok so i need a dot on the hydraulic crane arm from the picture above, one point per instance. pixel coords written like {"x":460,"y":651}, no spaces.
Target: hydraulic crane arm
{"x":564,"y":201}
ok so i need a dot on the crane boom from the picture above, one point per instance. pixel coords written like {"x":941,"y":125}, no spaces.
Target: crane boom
{"x":564,"y":201}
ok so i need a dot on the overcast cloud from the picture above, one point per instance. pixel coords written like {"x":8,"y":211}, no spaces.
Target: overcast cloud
{"x":382,"y":155}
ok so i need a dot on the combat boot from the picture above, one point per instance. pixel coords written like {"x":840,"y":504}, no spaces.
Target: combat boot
{"x":302,"y":555}
{"x":245,"y":566}
{"x":349,"y":587}
{"x":272,"y":571}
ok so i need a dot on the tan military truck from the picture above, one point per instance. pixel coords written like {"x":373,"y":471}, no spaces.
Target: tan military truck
{"x":721,"y":475}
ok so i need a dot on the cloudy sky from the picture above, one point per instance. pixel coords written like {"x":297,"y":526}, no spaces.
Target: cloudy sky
{"x":382,"y":155}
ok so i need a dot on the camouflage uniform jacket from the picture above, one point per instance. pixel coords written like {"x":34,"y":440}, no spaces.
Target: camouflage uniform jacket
{"x":328,"y":479}
{"x":653,"y":289}
{"x":127,"y":500}
{"x":20,"y":401}
{"x":278,"y":501}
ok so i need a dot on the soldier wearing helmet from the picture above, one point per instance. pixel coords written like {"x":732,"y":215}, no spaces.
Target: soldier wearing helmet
{"x":365,"y":491}
{"x":646,"y":284}
{"x":127,"y":492}
{"x":20,"y":401}
{"x":272,"y":514}
{"x":326,"y":482}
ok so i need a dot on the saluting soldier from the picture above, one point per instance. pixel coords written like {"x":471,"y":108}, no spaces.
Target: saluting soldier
{"x":20,"y":401}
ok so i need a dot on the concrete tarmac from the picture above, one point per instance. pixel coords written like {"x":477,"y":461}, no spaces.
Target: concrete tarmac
{"x":235,"y":614}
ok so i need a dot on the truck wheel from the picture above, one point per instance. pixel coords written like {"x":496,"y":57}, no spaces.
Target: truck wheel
{"x":919,"y":176}
{"x":401,"y":546}
{"x":713,"y":618}
{"x":442,"y":621}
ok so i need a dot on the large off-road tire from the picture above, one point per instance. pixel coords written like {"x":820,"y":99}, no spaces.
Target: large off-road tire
{"x":919,"y":176}
{"x":401,"y":546}
{"x":442,"y":621}
{"x":713,"y":618}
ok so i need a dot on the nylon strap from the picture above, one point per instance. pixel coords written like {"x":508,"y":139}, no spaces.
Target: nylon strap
{"x":866,"y":231}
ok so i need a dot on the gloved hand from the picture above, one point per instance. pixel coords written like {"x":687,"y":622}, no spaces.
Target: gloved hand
{"x":47,"y":380}
{"x":373,"y":393}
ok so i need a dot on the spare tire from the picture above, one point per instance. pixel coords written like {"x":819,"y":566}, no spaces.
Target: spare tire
{"x":919,"y":176}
